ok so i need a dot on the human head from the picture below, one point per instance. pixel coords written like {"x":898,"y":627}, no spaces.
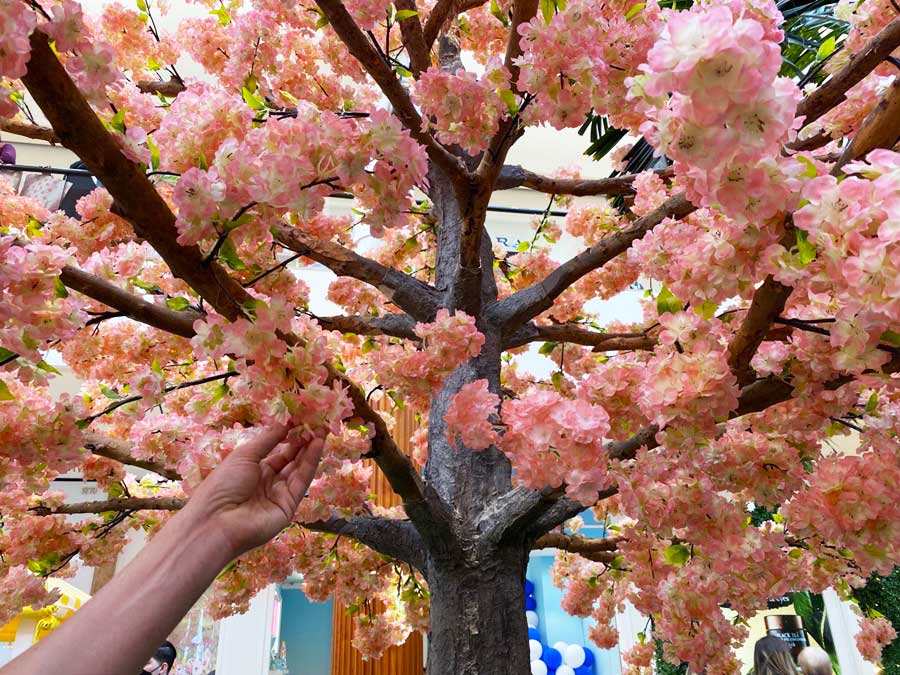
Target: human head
{"x":814,"y":661}
{"x":772,"y":656}
{"x":162,"y":661}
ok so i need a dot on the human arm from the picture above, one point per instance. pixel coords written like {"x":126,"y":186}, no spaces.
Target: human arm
{"x":244,"y":502}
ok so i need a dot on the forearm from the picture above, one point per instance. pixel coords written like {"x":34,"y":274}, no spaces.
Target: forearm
{"x":119,"y":628}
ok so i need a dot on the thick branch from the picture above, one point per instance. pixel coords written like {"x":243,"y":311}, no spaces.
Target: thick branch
{"x":80,"y":130}
{"x":512,"y":176}
{"x":364,"y":52}
{"x":523,"y":305}
{"x":414,"y":39}
{"x":396,"y":325}
{"x":408,"y":293}
{"x":561,"y":511}
{"x":768,"y":303}
{"x":577,"y":544}
{"x":397,"y":539}
{"x":169,"y":88}
{"x":178,"y":323}
{"x":601,"y":342}
{"x":120,"y":452}
{"x":880,"y":129}
{"x":833,"y":92}
{"x":27,"y":130}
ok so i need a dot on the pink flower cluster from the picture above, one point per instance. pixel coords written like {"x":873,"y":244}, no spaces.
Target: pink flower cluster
{"x":873,"y":636}
{"x":551,"y":440}
{"x":468,"y":416}
{"x":17,"y":21}
{"x":466,"y":108}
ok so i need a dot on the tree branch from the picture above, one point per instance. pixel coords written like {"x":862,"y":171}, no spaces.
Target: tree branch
{"x":409,"y":294}
{"x":523,"y":305}
{"x":123,"y":504}
{"x":414,"y":39}
{"x":360,"y":47}
{"x":512,"y":176}
{"x":833,"y":92}
{"x":575,"y":334}
{"x":395,"y":325}
{"x":562,"y":510}
{"x":603,"y":549}
{"x":132,"y":306}
{"x":26,"y":130}
{"x":169,"y":88}
{"x":396,"y":539}
{"x":120,"y":452}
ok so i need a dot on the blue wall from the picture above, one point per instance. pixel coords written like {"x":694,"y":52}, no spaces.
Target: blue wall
{"x":306,"y":628}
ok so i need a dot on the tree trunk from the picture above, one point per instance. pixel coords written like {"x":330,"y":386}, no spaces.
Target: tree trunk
{"x":478,"y":613}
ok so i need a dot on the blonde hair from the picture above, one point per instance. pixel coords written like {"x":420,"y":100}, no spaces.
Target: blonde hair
{"x":814,"y":661}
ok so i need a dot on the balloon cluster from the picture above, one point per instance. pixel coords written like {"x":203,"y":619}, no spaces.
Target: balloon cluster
{"x":560,"y":659}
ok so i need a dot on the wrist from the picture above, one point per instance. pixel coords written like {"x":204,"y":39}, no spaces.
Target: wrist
{"x":203,"y":529}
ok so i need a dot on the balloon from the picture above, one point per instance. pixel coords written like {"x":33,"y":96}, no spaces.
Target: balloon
{"x":560,"y":646}
{"x":574,"y":656}
{"x":529,"y":587}
{"x":534,"y":634}
{"x":536,"y":649}
{"x":538,"y":668}
{"x":565,"y":670}
{"x":589,"y":658}
{"x":584,"y":670}
{"x":551,"y":657}
{"x":532,"y":619}
{"x":530,"y":604}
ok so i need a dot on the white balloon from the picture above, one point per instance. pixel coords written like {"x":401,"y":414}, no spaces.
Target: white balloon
{"x":573,"y":656}
{"x":565,"y":670}
{"x":560,"y":646}
{"x":538,"y":668}
{"x":532,"y":619}
{"x":536,"y":649}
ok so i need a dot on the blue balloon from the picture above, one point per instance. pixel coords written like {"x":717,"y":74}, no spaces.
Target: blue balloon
{"x":530,"y":604}
{"x":529,"y":587}
{"x":584,"y":670}
{"x":588,"y":658}
{"x":534,"y":634}
{"x":551,"y":657}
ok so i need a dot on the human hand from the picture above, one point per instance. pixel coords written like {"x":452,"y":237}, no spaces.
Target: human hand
{"x":253,"y":494}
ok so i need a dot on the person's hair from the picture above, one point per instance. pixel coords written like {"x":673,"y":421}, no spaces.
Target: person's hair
{"x":772,"y":656}
{"x":814,"y":661}
{"x":166,"y":654}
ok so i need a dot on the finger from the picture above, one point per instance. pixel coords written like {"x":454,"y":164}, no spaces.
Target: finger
{"x":280,"y":456}
{"x":262,"y":442}
{"x":304,"y":470}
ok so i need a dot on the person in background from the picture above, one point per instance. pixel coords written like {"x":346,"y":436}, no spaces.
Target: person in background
{"x":772,"y":656}
{"x":162,"y":661}
{"x":248,"y":499}
{"x":814,"y":661}
{"x":7,"y":153}
{"x":76,"y":187}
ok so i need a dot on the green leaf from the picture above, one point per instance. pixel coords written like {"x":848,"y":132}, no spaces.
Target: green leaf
{"x":144,"y":286}
{"x":667,"y":302}
{"x":153,"y":64}
{"x":495,"y":10}
{"x":406,"y":14}
{"x":547,"y":348}
{"x":220,"y":392}
{"x":811,"y":171}
{"x":708,"y":309}
{"x":155,"y":367}
{"x":61,"y":290}
{"x":254,"y":101}
{"x":806,"y":250}
{"x":154,"y":153}
{"x":224,"y":16}
{"x":229,"y":254}
{"x":795,"y":553}
{"x":558,"y":379}
{"x":677,"y":554}
{"x":890,"y":337}
{"x":322,"y":22}
{"x":6,"y":354}
{"x":5,"y":393}
{"x":548,"y":9}
{"x":872,"y":403}
{"x":523,"y":246}
{"x":33,"y":227}
{"x":110,"y":393}
{"x":142,"y":5}
{"x":117,"y":122}
{"x":826,"y":49}
{"x":47,"y":368}
{"x":634,"y":10}
{"x":367,"y":346}
{"x":402,"y":71}
{"x":509,"y":98}
{"x":231,"y":225}
{"x":177,"y":303}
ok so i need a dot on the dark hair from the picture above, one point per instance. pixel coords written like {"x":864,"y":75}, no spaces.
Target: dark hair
{"x":772,"y":656}
{"x":166,"y":654}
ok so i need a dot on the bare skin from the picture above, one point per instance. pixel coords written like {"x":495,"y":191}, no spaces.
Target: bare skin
{"x":243,"y":503}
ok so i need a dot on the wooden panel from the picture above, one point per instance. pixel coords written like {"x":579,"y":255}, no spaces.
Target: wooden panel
{"x":407,"y":659}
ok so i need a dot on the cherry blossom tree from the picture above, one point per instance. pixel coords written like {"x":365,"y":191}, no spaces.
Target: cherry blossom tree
{"x":771,"y":239}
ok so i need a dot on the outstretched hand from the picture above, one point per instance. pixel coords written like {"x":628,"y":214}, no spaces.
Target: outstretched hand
{"x":253,"y":494}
